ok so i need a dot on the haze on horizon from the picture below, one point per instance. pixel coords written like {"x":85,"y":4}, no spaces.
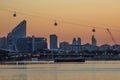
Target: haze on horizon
{"x":41,"y":14}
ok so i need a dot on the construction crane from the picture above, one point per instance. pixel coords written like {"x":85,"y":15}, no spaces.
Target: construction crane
{"x":108,"y":30}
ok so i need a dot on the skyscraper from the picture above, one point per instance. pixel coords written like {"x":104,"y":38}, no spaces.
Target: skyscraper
{"x":93,"y":41}
{"x":74,"y":42}
{"x":79,"y":41}
{"x":18,"y":32}
{"x":53,"y":41}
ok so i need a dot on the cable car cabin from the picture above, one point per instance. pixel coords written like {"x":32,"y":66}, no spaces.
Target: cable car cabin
{"x":93,"y":30}
{"x":55,"y":24}
{"x":14,"y":15}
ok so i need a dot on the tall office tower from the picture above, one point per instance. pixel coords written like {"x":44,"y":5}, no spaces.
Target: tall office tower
{"x":74,"y":42}
{"x":94,"y":41}
{"x":79,"y":41}
{"x":53,"y":41}
{"x":33,"y":43}
{"x":18,"y":32}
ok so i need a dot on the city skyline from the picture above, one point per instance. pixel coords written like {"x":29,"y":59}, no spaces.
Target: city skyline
{"x":59,"y":39}
{"x":17,"y":42}
{"x":18,"y":29}
{"x":69,"y":16}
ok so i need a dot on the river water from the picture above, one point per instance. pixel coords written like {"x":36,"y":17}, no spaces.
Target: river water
{"x":90,"y":70}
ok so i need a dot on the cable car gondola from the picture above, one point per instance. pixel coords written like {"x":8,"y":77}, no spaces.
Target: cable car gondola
{"x":93,"y":30}
{"x":14,"y":15}
{"x":55,"y":24}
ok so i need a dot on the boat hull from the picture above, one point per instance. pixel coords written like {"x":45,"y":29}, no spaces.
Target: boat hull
{"x":69,"y":60}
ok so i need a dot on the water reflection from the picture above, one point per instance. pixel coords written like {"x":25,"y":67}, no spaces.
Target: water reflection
{"x":20,"y":77}
{"x":13,"y":72}
{"x":86,"y":71}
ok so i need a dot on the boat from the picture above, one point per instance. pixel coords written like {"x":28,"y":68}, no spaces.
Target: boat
{"x":79,"y":59}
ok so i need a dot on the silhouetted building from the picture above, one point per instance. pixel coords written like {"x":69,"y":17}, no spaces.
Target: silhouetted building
{"x":75,"y":47}
{"x":105,"y":47}
{"x":18,"y":32}
{"x":64,"y":46}
{"x":94,"y":42}
{"x":3,"y":42}
{"x":74,"y":42}
{"x":88,"y":47}
{"x":116,"y":47}
{"x":31,"y":44}
{"x":79,"y":41}
{"x":53,"y":41}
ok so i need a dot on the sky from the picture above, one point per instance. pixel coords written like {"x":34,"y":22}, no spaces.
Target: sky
{"x":75,"y":18}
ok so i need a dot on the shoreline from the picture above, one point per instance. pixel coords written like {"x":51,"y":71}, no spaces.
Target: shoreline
{"x":27,"y":62}
{"x":53,"y":62}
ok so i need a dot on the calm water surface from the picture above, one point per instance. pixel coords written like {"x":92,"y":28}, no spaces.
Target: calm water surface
{"x":103,"y":70}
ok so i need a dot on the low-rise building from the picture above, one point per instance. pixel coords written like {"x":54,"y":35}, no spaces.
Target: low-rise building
{"x":31,"y":44}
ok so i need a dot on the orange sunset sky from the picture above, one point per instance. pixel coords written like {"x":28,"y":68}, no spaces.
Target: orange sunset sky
{"x":73,"y":17}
